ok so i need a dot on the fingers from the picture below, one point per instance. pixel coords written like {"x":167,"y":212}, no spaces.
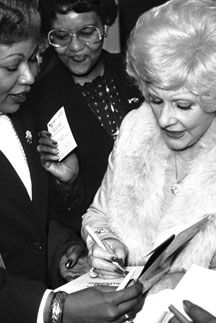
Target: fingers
{"x":47,"y":148}
{"x":69,"y":260}
{"x":117,"y":247}
{"x":132,"y":306}
{"x":74,"y":253}
{"x":198,"y":314}
{"x":128,"y":301}
{"x":69,"y":273}
{"x":102,"y":261}
{"x":108,"y":274}
{"x":101,"y":258}
{"x":65,"y":272}
{"x":44,"y":133}
{"x":129,"y":293}
{"x":107,"y":261}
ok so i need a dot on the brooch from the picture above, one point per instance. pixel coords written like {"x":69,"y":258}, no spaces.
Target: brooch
{"x":28,"y":137}
{"x":133,"y":100}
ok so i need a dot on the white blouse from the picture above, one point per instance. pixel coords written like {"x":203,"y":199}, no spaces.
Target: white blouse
{"x":11,"y":147}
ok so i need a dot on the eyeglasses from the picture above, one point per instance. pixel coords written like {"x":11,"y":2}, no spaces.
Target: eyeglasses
{"x":87,"y":34}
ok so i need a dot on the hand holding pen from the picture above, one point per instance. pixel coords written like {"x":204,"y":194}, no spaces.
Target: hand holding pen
{"x":106,"y":256}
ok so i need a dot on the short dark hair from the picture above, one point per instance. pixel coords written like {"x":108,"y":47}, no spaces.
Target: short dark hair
{"x":19,"y":20}
{"x":106,"y":9}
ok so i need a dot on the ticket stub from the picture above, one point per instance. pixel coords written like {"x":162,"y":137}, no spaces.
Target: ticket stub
{"x":60,"y":130}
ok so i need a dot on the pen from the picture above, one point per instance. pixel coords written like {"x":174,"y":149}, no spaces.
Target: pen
{"x":101,"y":245}
{"x":126,"y":280}
{"x":178,"y":314}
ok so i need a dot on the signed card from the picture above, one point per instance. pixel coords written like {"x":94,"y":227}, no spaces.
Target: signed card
{"x":60,"y":130}
{"x":86,"y":281}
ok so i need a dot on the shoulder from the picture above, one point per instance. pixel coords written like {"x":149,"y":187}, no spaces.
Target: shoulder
{"x":139,"y":118}
{"x":138,"y":129}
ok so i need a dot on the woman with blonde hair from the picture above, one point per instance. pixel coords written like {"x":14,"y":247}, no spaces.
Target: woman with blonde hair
{"x":161,"y":176}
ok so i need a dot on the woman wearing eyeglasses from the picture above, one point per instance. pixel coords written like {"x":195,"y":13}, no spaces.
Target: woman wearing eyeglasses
{"x":89,"y":82}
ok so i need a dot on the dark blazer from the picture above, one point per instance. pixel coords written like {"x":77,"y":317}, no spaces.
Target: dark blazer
{"x":57,"y":89}
{"x":24,"y":231}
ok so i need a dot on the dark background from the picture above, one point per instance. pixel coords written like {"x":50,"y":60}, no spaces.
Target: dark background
{"x":129,"y":11}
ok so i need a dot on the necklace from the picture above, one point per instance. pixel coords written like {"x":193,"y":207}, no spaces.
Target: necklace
{"x":175,"y":187}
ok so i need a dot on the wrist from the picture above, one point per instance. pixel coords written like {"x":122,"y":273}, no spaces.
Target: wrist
{"x":53,"y":311}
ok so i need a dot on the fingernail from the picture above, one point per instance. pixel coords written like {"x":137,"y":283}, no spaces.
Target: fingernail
{"x":118,"y":260}
{"x":69,"y":264}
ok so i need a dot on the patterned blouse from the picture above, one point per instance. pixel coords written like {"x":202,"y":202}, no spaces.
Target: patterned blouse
{"x":104,"y":101}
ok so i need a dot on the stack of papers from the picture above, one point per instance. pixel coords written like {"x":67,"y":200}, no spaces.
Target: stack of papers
{"x":198,"y":285}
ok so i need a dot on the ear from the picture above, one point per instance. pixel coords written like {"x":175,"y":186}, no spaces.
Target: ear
{"x":106,"y":29}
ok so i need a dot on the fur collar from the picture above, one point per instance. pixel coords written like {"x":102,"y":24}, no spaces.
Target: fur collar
{"x":137,"y":191}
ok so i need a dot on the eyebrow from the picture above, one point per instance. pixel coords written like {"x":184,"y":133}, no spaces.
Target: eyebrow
{"x":179,"y":96}
{"x":21,"y":54}
{"x":12,"y":55}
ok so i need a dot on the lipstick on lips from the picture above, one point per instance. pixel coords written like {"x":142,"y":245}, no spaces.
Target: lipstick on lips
{"x":19,"y":97}
{"x":174,"y":134}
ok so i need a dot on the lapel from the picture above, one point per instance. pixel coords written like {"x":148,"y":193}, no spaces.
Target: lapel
{"x":11,"y":184}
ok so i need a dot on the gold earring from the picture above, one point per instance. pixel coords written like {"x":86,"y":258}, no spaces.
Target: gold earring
{"x":106,"y":28}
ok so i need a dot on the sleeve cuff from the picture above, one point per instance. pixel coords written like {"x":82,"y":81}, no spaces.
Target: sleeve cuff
{"x":42,"y":306}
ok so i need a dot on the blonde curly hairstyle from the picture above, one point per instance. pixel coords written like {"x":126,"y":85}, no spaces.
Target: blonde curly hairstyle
{"x":174,"y":45}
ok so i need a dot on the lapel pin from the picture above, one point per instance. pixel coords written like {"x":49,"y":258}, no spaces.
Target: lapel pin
{"x":28,"y":137}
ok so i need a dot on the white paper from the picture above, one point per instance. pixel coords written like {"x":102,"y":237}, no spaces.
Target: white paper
{"x":198,"y":285}
{"x":155,"y":307}
{"x":60,"y":130}
{"x":86,"y":281}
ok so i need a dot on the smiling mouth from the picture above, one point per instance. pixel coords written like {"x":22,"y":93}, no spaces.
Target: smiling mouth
{"x":174,"y":134}
{"x":18,"y":98}
{"x":78,"y":59}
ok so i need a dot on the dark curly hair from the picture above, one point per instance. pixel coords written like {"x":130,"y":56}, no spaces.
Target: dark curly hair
{"x":106,"y":9}
{"x":19,"y":20}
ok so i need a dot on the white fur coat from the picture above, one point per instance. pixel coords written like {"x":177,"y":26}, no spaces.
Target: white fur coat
{"x":129,"y":202}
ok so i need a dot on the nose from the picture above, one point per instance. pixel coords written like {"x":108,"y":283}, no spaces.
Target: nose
{"x":75,"y":44}
{"x":26,"y":75}
{"x":167,"y":116}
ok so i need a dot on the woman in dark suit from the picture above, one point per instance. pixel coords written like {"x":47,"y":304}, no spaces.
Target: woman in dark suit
{"x":32,"y":241}
{"x":90,"y":83}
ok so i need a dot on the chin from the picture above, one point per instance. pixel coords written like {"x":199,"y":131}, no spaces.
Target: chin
{"x":80,"y":71}
{"x":177,"y":146}
{"x":12,"y":109}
